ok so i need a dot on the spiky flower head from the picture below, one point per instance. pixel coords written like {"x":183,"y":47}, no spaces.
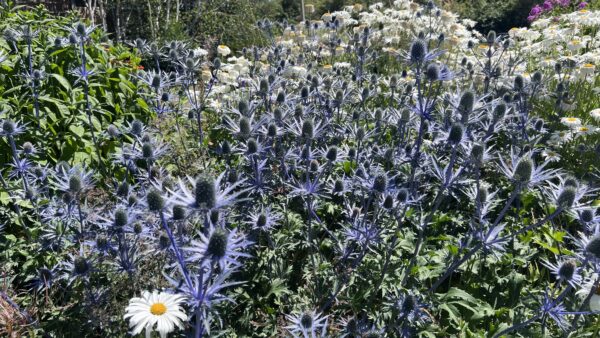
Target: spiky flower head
{"x":477,"y":152}
{"x":571,"y":182}
{"x":251,"y":146}
{"x":587,"y":215}
{"x":205,"y":192}
{"x":523,"y":170}
{"x":466,"y":104}
{"x":121,"y":218}
{"x":308,"y":129}
{"x":217,"y":245}
{"x":272,"y":130}
{"x":499,"y":112}
{"x":81,"y":266}
{"x":137,"y":128}
{"x":8,"y":127}
{"x":432,"y":72}
{"x":75,"y":183}
{"x":566,"y":197}
{"x":402,"y":195}
{"x":123,"y":189}
{"x":147,"y":150}
{"x":332,"y":153}
{"x":593,"y":247}
{"x":155,"y":200}
{"x":244,"y":126}
{"x":380,"y":183}
{"x":491,"y":37}
{"x":456,"y":133}
{"x":178,"y":212}
{"x":225,"y":147}
{"x":418,"y":51}
{"x":388,"y":202}
{"x":567,"y":269}
{"x":519,"y":83}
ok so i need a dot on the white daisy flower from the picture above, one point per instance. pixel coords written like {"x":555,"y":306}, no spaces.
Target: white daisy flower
{"x":223,"y":50}
{"x":551,"y":155}
{"x":156,"y":308}
{"x":571,"y":122}
{"x":595,"y":114}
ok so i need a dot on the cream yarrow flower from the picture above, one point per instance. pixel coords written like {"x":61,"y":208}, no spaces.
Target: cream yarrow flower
{"x":157,"y":308}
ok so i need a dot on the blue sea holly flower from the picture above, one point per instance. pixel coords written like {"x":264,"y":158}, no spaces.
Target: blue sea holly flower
{"x":264,"y":218}
{"x":10,"y":128}
{"x":207,"y":193}
{"x":76,"y":267}
{"x":307,"y":324}
{"x":565,"y":271}
{"x":73,"y":180}
{"x":523,"y":171}
{"x":220,"y":246}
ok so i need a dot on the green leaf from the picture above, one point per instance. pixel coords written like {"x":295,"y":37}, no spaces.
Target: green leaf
{"x":77,"y":130}
{"x":62,"y":109}
{"x":62,"y":81}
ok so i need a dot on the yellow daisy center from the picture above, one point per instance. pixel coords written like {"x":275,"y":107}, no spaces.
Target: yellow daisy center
{"x":571,"y":119}
{"x":158,"y":309}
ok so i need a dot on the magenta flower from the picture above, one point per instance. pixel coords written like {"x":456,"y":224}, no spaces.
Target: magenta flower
{"x":536,"y":11}
{"x":582,"y":5}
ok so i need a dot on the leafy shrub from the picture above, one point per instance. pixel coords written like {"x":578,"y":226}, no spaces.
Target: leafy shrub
{"x":44,"y":90}
{"x":498,"y":15}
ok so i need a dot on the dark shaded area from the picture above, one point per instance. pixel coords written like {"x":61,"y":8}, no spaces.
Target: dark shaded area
{"x":498,"y":15}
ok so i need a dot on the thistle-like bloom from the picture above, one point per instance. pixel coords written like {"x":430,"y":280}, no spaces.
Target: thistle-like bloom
{"x":306,"y":129}
{"x":157,"y":308}
{"x":410,"y":308}
{"x":77,"y":267}
{"x":74,"y":180}
{"x":82,"y":74}
{"x":590,"y":247}
{"x":566,"y":195}
{"x":310,"y":188}
{"x":10,"y":128}
{"x":524,"y":172}
{"x":81,"y":31}
{"x":219,"y":246}
{"x":120,"y":217}
{"x":565,"y":271}
{"x":419,"y":54}
{"x":156,"y":80}
{"x":307,"y":324}
{"x":263,"y":219}
{"x":207,"y":193}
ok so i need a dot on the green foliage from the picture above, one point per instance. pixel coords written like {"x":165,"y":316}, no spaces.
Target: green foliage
{"x":62,"y":127}
{"x":498,"y":15}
